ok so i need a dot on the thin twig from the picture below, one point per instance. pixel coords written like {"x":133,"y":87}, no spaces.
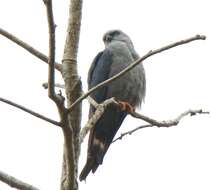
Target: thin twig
{"x":155,"y":123}
{"x":27,"y":47}
{"x":150,"y":53}
{"x":58,"y":85}
{"x":45,"y":85}
{"x":30,"y":112}
{"x":131,"y":131}
{"x":15,"y":183}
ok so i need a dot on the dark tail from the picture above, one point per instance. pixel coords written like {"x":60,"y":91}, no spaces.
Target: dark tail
{"x":100,"y":139}
{"x":87,"y":168}
{"x":95,"y":159}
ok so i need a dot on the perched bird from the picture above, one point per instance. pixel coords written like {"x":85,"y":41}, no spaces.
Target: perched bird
{"x":128,"y":90}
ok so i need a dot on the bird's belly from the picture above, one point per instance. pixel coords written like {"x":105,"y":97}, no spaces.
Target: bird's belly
{"x":130,"y":86}
{"x":126,"y":88}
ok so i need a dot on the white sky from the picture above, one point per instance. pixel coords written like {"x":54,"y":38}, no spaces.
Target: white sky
{"x":178,"y":79}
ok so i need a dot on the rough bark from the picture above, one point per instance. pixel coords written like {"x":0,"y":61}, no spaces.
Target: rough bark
{"x":73,"y":91}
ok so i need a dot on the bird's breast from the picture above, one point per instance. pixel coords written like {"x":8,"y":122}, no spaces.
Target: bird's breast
{"x":128,"y":87}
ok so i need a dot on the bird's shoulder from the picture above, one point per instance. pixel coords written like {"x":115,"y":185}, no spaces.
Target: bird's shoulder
{"x":100,"y":67}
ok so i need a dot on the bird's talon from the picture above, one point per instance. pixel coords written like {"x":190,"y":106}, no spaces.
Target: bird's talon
{"x":125,"y":106}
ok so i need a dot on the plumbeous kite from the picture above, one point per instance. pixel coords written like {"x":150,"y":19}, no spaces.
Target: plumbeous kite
{"x":128,"y":90}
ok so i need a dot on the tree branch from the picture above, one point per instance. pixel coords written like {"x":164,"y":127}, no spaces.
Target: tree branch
{"x":131,"y":131}
{"x":30,"y":112}
{"x":100,"y":109}
{"x":167,"y":123}
{"x":51,"y":60}
{"x":149,"y":54}
{"x":15,"y":183}
{"x":27,"y":47}
{"x":69,"y":157}
{"x":45,"y":85}
{"x":57,"y":98}
{"x":155,"y":123}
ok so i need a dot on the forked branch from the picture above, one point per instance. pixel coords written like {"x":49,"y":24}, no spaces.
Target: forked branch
{"x":155,"y":123}
{"x":57,"y":98}
{"x":100,"y":109}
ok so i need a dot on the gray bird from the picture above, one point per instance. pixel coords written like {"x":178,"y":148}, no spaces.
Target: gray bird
{"x":129,"y":90}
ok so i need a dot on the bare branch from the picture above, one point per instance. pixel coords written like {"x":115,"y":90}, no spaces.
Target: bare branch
{"x":15,"y":183}
{"x":30,"y":112}
{"x":131,"y":131}
{"x":27,"y":47}
{"x":167,"y":123}
{"x":57,"y":98}
{"x":155,"y":123}
{"x":51,"y":61}
{"x":149,"y":54}
{"x":93,"y":102}
{"x":58,"y":85}
{"x":100,"y":109}
{"x":45,"y":85}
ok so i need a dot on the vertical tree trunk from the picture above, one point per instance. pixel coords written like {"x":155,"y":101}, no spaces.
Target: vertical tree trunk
{"x":73,"y":91}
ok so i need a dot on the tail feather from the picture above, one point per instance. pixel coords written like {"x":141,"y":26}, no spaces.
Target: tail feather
{"x":94,"y":168}
{"x":100,"y":139}
{"x":87,"y":168}
{"x":93,"y":160}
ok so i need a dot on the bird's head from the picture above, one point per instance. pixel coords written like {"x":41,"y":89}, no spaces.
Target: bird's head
{"x":116,"y":35}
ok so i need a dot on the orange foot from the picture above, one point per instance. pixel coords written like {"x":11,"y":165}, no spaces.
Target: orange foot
{"x":125,"y":106}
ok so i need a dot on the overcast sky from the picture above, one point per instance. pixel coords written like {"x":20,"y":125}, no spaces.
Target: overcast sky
{"x":177,"y":80}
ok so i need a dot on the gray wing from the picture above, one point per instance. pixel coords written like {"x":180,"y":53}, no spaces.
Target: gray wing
{"x":98,"y":72}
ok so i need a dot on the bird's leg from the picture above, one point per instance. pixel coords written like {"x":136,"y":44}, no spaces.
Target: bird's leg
{"x":125,"y":106}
